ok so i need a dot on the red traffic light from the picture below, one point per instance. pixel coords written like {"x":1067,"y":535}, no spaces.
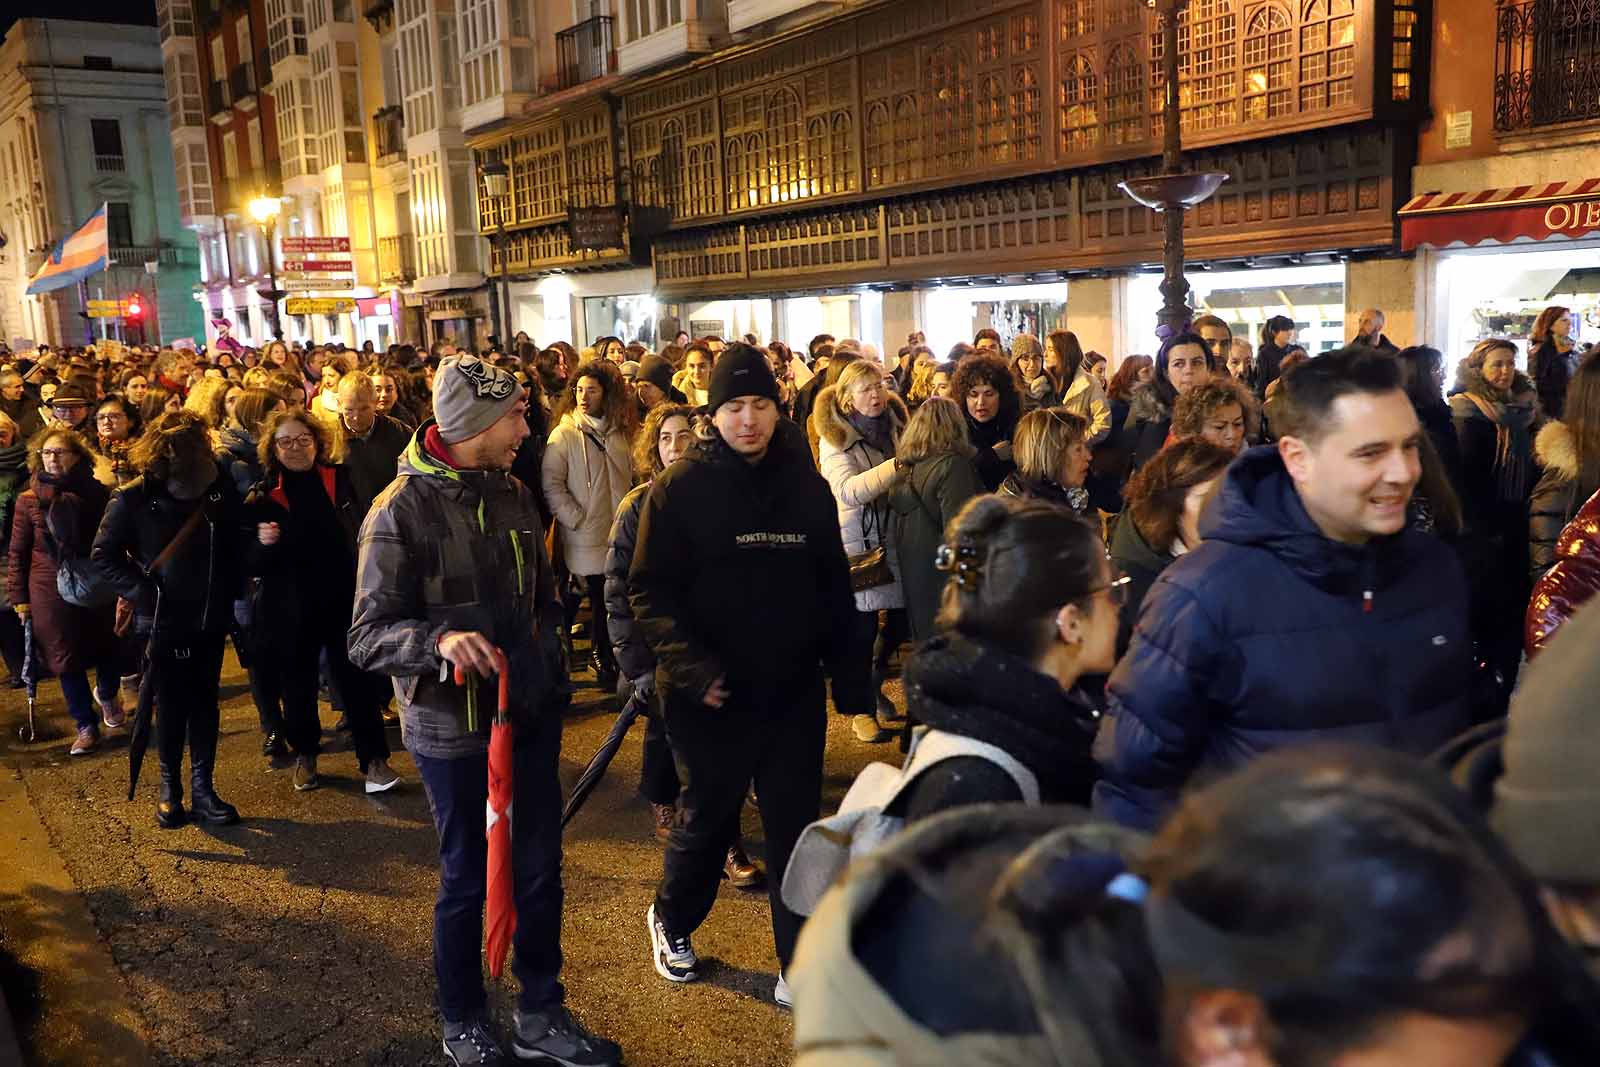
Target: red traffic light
{"x":135,"y":309}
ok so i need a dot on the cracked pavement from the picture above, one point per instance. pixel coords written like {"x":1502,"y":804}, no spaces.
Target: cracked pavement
{"x":302,"y":935}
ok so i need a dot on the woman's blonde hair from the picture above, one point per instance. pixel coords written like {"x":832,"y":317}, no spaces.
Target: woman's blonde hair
{"x":937,"y":428}
{"x":1042,"y":438}
{"x":208,"y":399}
{"x":921,"y":382}
{"x":853,"y":374}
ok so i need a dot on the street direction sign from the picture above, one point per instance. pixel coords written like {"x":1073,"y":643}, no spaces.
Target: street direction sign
{"x":310,"y":305}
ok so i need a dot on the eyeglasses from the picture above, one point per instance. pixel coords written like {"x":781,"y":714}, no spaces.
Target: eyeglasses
{"x":55,"y":453}
{"x":1116,"y":591}
{"x":299,"y":440}
{"x":110,"y":416}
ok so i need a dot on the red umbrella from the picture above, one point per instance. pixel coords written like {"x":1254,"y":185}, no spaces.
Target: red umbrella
{"x":500,"y":918}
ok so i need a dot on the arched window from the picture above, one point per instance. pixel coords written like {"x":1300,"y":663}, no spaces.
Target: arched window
{"x":1327,"y":54}
{"x":993,"y":146}
{"x":1025,"y":113}
{"x":878,"y":146}
{"x":733,"y":173}
{"x":1124,"y":97}
{"x":696,"y":181}
{"x":756,"y":191}
{"x":947,"y":86}
{"x":841,"y":177}
{"x":907,"y":134}
{"x":784,"y":148}
{"x":1080,"y":90}
{"x":1208,"y":45}
{"x":672,"y":165}
{"x":817,"y":164}
{"x":1268,"y":64}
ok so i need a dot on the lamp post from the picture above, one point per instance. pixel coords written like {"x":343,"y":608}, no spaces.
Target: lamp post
{"x":1172,"y":192}
{"x":264,"y":209}
{"x":497,"y":186}
{"x":152,"y":267}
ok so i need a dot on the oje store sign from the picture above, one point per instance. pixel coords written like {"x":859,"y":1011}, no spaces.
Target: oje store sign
{"x":1559,"y":210}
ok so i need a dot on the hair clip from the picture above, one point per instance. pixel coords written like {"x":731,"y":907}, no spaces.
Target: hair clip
{"x":1128,"y":886}
{"x":960,"y":560}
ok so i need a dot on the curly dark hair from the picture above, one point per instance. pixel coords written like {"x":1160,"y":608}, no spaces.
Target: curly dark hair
{"x":177,"y":437}
{"x":1191,"y":411}
{"x":622,"y":409}
{"x":981,"y":368}
{"x":328,"y":442}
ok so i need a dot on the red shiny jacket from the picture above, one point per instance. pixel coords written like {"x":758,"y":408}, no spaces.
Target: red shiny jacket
{"x":1569,"y":584}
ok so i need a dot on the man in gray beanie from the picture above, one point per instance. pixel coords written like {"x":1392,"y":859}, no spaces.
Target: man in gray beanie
{"x":453,"y":576}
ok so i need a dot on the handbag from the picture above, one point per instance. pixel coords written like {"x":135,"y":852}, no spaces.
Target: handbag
{"x":870,"y":569}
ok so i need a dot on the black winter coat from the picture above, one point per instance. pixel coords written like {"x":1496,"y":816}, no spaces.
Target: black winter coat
{"x":1269,"y":634}
{"x":240,"y":458}
{"x":922,"y":501}
{"x":633,"y":654}
{"x":304,"y":582}
{"x":200,"y":581}
{"x":740,"y":573}
{"x":1148,"y":427}
{"x":964,"y":687}
{"x":372,"y":462}
{"x":1551,"y":370}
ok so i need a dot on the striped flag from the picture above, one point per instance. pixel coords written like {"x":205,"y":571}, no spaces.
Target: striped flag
{"x":83,"y":253}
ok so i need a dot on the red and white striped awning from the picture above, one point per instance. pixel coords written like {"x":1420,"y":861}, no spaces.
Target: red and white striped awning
{"x":1553,"y":210}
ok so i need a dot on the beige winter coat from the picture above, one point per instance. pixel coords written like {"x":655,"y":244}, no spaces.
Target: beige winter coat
{"x":585,"y":477}
{"x":860,"y":477}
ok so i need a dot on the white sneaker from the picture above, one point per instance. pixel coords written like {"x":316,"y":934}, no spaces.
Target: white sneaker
{"x":781,"y":995}
{"x":674,"y":958}
{"x":380,"y":778}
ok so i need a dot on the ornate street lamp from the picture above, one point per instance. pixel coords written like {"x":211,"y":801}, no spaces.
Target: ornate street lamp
{"x":264,"y":209}
{"x":497,"y":187}
{"x":1173,"y":191}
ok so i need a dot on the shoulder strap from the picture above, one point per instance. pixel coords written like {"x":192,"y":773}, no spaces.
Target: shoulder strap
{"x":936,"y":746}
{"x":178,"y":538}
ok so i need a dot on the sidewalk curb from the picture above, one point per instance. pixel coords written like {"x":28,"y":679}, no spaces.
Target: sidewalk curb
{"x":87,"y":1015}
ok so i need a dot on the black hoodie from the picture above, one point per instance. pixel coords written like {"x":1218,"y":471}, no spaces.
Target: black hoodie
{"x":740,"y":573}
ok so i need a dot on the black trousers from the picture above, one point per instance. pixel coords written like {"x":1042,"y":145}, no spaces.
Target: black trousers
{"x":594,"y":589}
{"x":658,"y":775}
{"x":185,"y":672}
{"x":875,"y":637}
{"x":357,"y":691}
{"x":774,"y":739}
{"x":266,"y":690}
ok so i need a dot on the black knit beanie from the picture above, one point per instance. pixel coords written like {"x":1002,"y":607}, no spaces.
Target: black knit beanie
{"x":742,"y":370}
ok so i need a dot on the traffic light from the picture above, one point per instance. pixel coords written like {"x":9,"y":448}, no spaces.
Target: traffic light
{"x":135,"y":309}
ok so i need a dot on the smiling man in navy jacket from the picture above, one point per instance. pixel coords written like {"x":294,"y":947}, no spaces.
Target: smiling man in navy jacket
{"x":1310,"y":612}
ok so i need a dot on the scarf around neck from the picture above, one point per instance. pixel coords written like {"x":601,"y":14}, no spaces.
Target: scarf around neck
{"x":876,"y":430}
{"x":1513,"y":420}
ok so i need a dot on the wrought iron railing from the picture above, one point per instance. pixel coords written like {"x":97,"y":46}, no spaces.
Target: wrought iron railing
{"x":1547,"y":63}
{"x":586,"y":51}
{"x":110,"y":164}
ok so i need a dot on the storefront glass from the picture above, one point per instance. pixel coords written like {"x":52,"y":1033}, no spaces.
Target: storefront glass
{"x":1499,"y":292}
{"x":631,"y":318}
{"x":956,"y":313}
{"x":1245,"y":299}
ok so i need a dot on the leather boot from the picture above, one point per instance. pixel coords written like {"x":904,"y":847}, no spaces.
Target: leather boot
{"x":203,"y":799}
{"x":169,"y":808}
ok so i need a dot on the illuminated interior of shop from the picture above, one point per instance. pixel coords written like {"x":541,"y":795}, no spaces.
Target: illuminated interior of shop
{"x":1499,"y":293}
{"x":1245,"y":299}
{"x":957,"y":312}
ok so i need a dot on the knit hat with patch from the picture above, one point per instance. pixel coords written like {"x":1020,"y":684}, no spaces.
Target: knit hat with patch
{"x":741,"y":370}
{"x":469,"y":396}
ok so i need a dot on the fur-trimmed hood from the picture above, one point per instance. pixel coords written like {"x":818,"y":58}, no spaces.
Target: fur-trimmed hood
{"x":1146,"y":405}
{"x":834,"y":428}
{"x":1557,"y":450}
{"x":1469,"y":380}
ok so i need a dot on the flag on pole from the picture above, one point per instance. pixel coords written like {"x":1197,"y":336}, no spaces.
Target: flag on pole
{"x":83,"y":253}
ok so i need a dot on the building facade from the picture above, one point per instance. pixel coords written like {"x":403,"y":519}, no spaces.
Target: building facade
{"x":84,"y":122}
{"x":874,"y":168}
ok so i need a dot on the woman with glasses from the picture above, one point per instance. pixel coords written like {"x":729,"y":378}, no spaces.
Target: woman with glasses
{"x":305,"y":519}
{"x":115,"y":429}
{"x":1052,"y":459}
{"x":1030,"y":607}
{"x":55,"y":521}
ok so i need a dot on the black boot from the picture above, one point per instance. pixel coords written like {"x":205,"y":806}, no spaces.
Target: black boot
{"x":605,"y":672}
{"x":169,"y":808}
{"x":203,"y":799}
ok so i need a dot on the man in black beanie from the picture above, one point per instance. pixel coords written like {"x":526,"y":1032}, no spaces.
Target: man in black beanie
{"x":739,"y":542}
{"x":653,"y":384}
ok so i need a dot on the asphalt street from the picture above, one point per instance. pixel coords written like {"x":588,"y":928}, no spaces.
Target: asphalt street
{"x":301,"y":935}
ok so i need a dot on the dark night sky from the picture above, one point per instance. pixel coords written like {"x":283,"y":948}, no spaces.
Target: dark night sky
{"x":141,"y":12}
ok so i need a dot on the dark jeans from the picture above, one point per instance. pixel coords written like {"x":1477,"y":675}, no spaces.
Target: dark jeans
{"x":875,"y":637}
{"x":458,"y":790}
{"x":266,"y":690}
{"x":775,"y":739}
{"x":358,"y":692}
{"x":80,"y":703}
{"x":599,"y":629}
{"x":658,"y":775}
{"x":185,"y":672}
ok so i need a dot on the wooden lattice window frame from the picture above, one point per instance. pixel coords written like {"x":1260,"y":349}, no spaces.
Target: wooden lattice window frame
{"x":1024,"y":113}
{"x":1125,"y":108}
{"x":1327,"y":58}
{"x":994,"y":146}
{"x":1079,"y":103}
{"x":947,"y":86}
{"x":879,"y":144}
{"x":841,"y":175}
{"x":906,"y":133}
{"x":1267,"y":70}
{"x":785,"y":148}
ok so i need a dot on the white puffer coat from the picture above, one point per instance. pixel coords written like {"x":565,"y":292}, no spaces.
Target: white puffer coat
{"x":584,"y":479}
{"x":860,"y":477}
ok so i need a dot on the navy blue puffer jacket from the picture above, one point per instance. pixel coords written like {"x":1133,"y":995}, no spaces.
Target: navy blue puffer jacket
{"x":1259,"y":639}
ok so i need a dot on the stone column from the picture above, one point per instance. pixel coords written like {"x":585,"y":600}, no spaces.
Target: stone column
{"x":1391,"y":285}
{"x":1096,"y":313}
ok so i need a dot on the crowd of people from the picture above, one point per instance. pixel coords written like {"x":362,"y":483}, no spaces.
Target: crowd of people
{"x":1155,"y":592}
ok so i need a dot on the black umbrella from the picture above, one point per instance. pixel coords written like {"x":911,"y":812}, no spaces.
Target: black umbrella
{"x":144,"y":711}
{"x":30,"y":679}
{"x":598,"y":763}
